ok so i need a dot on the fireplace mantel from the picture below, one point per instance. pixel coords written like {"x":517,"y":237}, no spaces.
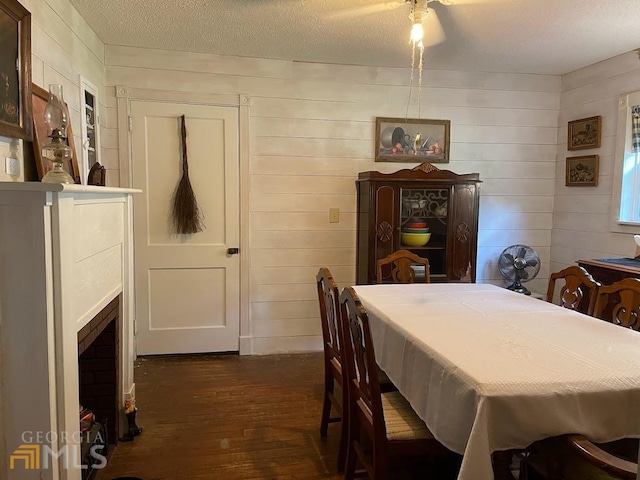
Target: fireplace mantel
{"x":66,"y":251}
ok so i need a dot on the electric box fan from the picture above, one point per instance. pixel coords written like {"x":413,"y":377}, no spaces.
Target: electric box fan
{"x":519,"y":264}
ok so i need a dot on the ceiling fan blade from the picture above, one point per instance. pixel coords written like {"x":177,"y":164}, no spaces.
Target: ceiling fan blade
{"x":433,"y":31}
{"x":353,"y":12}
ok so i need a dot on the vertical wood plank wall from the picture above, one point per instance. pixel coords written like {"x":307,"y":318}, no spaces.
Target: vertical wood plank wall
{"x":312,"y":128}
{"x":581,"y":223}
{"x":63,"y":47}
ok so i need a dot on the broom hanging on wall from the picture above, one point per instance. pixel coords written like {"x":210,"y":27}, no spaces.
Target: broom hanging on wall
{"x":186,"y":215}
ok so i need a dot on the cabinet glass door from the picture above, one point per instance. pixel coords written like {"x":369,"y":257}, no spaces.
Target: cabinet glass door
{"x":423,"y":225}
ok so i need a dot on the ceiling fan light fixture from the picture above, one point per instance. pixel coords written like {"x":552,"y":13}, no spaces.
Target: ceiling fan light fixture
{"x":417,"y":15}
{"x":417,"y":32}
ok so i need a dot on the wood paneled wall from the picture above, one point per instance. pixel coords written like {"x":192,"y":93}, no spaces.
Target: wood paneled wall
{"x":63,"y":47}
{"x":312,"y":128}
{"x":581,"y":223}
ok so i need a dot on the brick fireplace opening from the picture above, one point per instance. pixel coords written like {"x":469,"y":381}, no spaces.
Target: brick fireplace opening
{"x":98,"y":367}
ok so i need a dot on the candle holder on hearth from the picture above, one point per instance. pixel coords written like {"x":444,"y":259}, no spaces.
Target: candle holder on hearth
{"x":133,"y":430}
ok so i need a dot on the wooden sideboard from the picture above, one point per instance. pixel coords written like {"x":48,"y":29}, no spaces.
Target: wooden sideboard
{"x":607,"y":272}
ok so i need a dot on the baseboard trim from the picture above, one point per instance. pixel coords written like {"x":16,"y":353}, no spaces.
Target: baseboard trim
{"x":246,"y":345}
{"x":269,"y":345}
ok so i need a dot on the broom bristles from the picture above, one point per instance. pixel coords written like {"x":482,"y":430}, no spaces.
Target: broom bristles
{"x":187,"y":217}
{"x":186,"y":214}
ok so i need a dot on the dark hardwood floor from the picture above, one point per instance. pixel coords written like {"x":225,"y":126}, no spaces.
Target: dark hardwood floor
{"x":229,"y":417}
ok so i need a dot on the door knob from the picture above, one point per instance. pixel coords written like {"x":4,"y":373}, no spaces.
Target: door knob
{"x":233,"y":251}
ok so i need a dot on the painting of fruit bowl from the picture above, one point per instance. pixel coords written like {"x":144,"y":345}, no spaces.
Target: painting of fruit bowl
{"x":412,"y":140}
{"x":582,"y":171}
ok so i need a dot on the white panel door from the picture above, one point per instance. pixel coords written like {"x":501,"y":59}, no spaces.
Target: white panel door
{"x":187,"y":286}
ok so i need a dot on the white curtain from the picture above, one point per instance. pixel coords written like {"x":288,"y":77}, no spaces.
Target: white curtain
{"x":635,"y":129}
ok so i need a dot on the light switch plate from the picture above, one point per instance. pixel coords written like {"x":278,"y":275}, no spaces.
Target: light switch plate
{"x":12,"y":166}
{"x":334,"y":215}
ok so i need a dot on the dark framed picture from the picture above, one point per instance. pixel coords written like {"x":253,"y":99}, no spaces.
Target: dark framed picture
{"x":40,"y":137}
{"x":15,"y":70}
{"x":582,"y":171}
{"x":584,"y":133}
{"x":412,"y":140}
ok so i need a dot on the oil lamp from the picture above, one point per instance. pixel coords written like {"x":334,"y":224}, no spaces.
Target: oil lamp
{"x":57,"y":151}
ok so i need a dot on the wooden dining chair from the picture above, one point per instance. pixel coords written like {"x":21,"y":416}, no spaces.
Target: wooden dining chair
{"x":328,"y":297}
{"x":401,"y":271}
{"x":623,"y":300}
{"x":574,"y":457}
{"x":612,"y":459}
{"x":382,"y":426}
{"x":332,"y":331}
{"x":579,"y":290}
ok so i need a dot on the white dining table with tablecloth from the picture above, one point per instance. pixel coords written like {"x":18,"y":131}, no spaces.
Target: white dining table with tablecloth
{"x":489,"y":369}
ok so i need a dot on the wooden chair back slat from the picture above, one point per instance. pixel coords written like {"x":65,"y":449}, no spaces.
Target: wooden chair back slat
{"x":625,"y":297}
{"x":400,"y":263}
{"x":328,"y":298}
{"x":579,"y":290}
{"x":360,"y":364}
{"x":329,"y":301}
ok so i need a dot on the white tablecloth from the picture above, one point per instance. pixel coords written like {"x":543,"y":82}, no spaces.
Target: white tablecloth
{"x":488,"y":369}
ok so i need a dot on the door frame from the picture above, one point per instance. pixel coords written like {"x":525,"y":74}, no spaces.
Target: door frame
{"x":124,"y":97}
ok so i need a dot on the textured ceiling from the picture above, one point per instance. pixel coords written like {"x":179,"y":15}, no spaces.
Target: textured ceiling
{"x":532,"y":36}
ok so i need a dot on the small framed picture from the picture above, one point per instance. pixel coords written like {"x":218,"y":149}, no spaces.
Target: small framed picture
{"x":412,"y":140}
{"x":584,"y":133}
{"x":582,"y":171}
{"x":15,"y":70}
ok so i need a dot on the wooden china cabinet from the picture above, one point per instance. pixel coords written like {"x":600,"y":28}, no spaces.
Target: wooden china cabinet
{"x":445,"y":201}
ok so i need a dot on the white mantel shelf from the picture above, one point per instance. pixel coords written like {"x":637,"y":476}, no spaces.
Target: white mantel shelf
{"x":59,"y":187}
{"x":66,"y":251}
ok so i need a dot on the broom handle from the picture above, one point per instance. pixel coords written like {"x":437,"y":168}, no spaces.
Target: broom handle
{"x":183,"y":131}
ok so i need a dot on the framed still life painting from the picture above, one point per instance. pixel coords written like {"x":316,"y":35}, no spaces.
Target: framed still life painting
{"x":412,"y":140}
{"x":584,"y":133}
{"x":15,"y":70}
{"x":582,"y":171}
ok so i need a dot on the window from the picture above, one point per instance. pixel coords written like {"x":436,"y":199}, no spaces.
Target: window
{"x":626,"y":191}
{"x":629,"y":201}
